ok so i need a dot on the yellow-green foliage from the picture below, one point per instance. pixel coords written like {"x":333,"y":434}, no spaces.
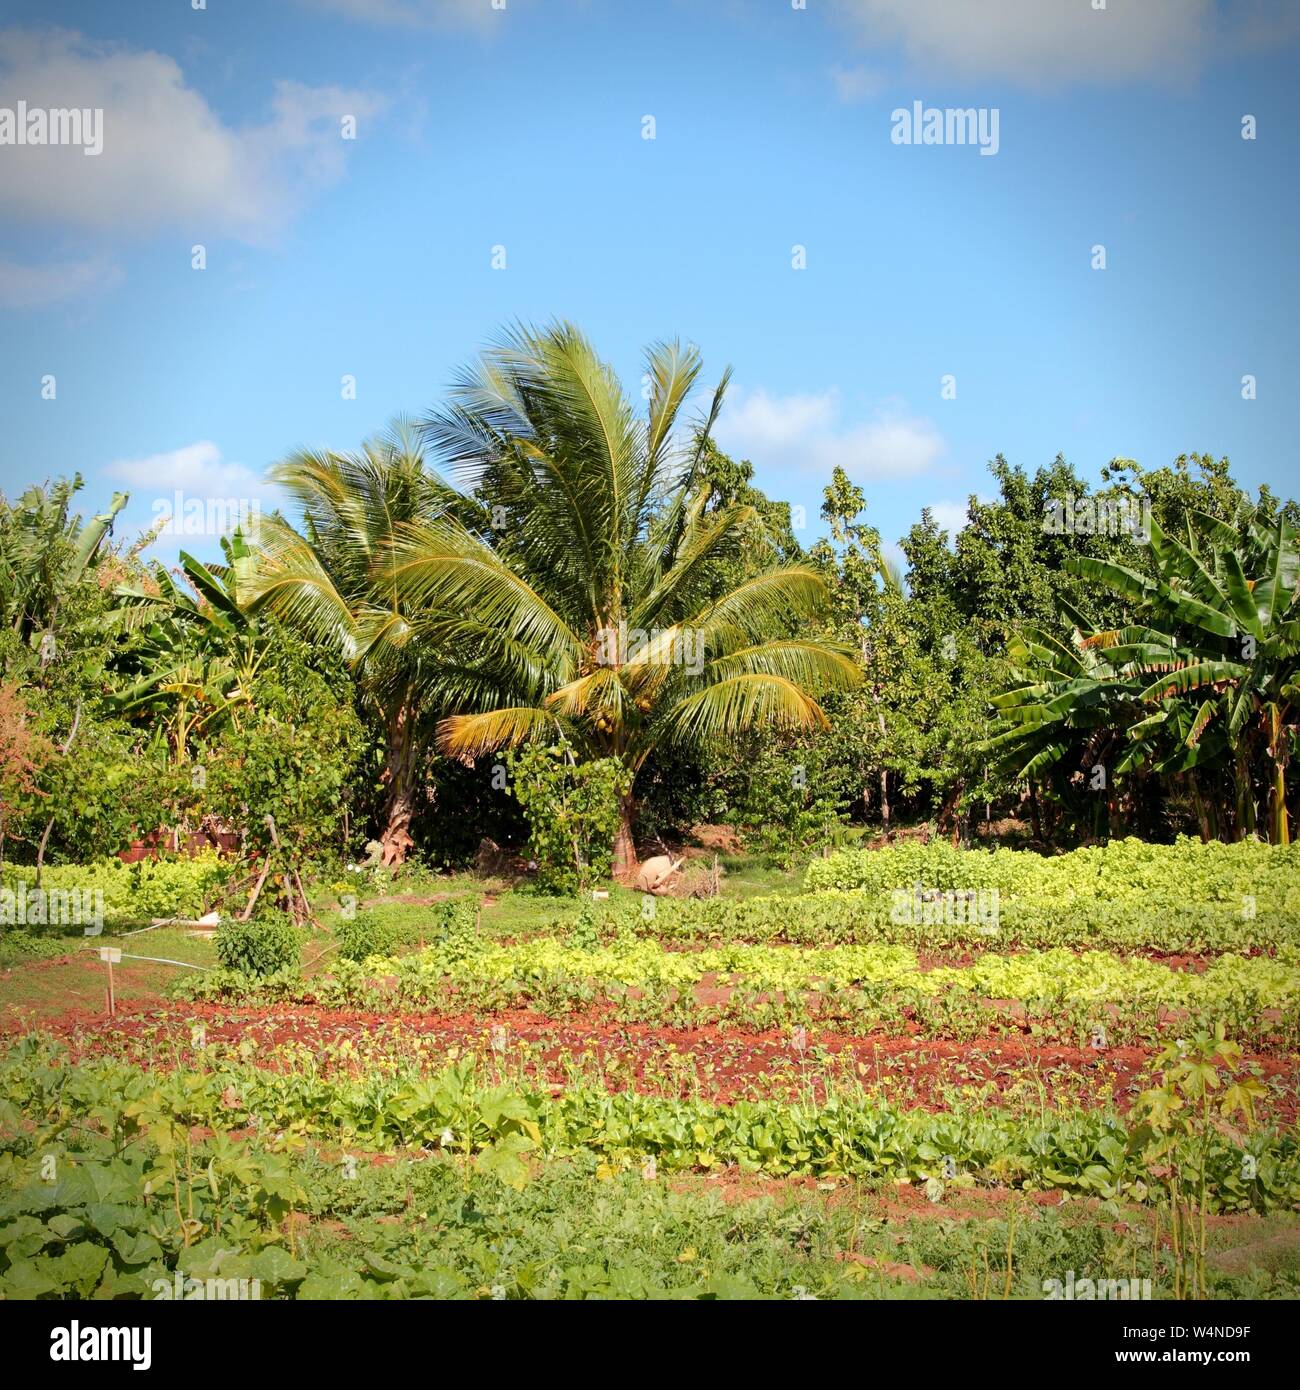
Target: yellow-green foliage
{"x":1186,"y":872}
{"x":1029,"y":975}
{"x":169,"y":887}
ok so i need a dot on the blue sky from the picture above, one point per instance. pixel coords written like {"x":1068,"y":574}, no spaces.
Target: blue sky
{"x":522,"y":128}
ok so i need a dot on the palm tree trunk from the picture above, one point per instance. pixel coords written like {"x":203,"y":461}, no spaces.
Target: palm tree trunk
{"x":1245,"y":825}
{"x":1280,"y":830}
{"x":625,"y":863}
{"x":399,"y":803}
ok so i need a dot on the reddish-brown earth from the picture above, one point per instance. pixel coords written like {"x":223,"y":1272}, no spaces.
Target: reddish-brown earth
{"x":721,"y":1064}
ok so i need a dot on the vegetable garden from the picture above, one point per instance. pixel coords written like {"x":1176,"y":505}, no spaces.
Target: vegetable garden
{"x":823,"y":1091}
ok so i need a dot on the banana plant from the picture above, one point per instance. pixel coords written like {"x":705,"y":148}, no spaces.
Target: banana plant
{"x":45,"y":550}
{"x":199,"y":653}
{"x":1204,"y":682}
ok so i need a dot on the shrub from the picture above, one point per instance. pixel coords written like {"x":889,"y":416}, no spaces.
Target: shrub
{"x":266,"y":945}
{"x":572,"y":811}
{"x":786,"y":808}
{"x":369,"y":934}
{"x":457,"y":933}
{"x":294,"y":757}
{"x":449,"y":926}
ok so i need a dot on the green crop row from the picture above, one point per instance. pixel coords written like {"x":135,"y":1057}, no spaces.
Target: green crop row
{"x":72,"y":894}
{"x":1128,"y":871}
{"x":945,"y":922}
{"x":106,"y":1227}
{"x":46,"y":1104}
{"x":1058,"y":975}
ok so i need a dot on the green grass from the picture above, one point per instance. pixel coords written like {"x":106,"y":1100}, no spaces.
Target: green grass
{"x":517,"y":910}
{"x":67,"y":973}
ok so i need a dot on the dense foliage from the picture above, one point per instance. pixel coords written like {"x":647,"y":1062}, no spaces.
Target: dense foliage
{"x":264,"y":945}
{"x":1200,"y":684}
{"x":572,"y":810}
{"x":609,"y":580}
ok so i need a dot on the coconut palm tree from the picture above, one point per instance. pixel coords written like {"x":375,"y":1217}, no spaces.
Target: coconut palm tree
{"x":325,"y":582}
{"x":579,"y":577}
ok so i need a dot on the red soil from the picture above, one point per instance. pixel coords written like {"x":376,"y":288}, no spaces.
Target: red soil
{"x":722,"y":1064}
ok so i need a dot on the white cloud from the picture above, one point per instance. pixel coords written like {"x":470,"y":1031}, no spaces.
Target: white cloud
{"x":807,"y":432}
{"x":193,"y":466}
{"x":168,"y":158}
{"x":774,"y":423}
{"x":1050,"y":41}
{"x":197,"y":494}
{"x":38,"y":286}
{"x":197,"y":468}
{"x":954,"y":516}
{"x":416,"y":14}
{"x":949,"y":516}
{"x":205,"y":495}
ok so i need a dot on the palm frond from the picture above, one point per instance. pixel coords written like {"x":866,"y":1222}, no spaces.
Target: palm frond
{"x":740,"y":703}
{"x":469,"y":736}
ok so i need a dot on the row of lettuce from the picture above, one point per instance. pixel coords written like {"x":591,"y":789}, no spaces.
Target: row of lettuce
{"x":120,"y":894}
{"x":1073,"y":997}
{"x":939,"y":920}
{"x":1127,"y":895}
{"x":1187,"y":870}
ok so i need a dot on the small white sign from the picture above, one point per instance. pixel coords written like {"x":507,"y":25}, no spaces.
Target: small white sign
{"x":598,"y":893}
{"x":112,"y":954}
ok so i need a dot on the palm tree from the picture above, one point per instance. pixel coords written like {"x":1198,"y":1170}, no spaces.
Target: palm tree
{"x":579,"y":578}
{"x":327,"y":583}
{"x":1204,"y":681}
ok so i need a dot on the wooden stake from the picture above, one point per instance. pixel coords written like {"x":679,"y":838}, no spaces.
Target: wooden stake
{"x":257,"y":888}
{"x":306,"y":902}
{"x":266,"y":869}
